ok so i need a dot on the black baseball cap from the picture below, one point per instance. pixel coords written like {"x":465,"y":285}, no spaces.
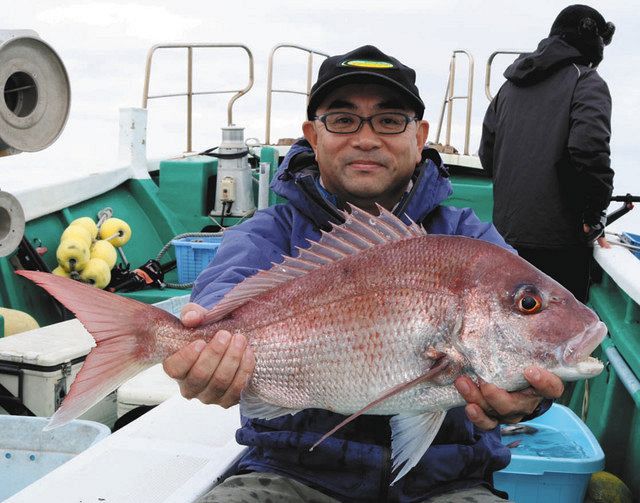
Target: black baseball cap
{"x":366,"y":64}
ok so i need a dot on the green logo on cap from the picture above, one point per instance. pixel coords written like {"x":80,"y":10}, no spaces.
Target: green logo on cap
{"x":365,"y":63}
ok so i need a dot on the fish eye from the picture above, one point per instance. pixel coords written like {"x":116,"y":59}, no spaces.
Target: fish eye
{"x":528,"y":300}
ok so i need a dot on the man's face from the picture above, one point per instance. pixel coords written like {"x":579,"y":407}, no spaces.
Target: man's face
{"x":365,"y":167}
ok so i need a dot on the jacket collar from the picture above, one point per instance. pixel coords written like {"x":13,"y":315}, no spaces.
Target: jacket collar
{"x":297,"y":181}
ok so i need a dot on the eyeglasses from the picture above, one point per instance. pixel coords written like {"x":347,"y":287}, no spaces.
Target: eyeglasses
{"x":382,"y":123}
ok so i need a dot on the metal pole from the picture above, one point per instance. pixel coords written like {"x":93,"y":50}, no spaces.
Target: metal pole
{"x":242,"y":91}
{"x":444,"y":104}
{"x":487,"y":75}
{"x":309,"y":75}
{"x":147,"y":74}
{"x":452,"y":72}
{"x":469,"y":104}
{"x":270,"y":89}
{"x":267,"y":133}
{"x":189,"y":95}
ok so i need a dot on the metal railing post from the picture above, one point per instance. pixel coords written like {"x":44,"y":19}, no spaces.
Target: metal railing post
{"x":270,"y":89}
{"x":189,"y":96}
{"x":487,"y":75}
{"x":449,"y":96}
{"x":189,"y":93}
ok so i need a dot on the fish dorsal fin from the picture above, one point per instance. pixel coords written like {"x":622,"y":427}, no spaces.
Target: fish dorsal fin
{"x":360,"y":231}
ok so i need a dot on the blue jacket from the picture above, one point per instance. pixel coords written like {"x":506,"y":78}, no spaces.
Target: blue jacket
{"x":354,"y":464}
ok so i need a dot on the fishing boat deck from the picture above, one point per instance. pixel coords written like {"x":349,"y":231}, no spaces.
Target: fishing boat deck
{"x":174,"y":453}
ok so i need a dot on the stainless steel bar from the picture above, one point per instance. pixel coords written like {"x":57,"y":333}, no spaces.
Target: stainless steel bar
{"x":452,"y":72}
{"x":467,"y":132}
{"x":624,"y":373}
{"x":447,"y":104}
{"x":270,"y":89}
{"x":190,"y":93}
{"x":444,"y":104}
{"x":195,"y":93}
{"x":172,"y":95}
{"x":287,"y":91}
{"x":487,"y":75}
{"x":189,"y":96}
{"x":309,"y":75}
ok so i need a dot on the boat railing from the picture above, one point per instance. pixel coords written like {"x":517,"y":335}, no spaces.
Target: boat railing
{"x":271,"y":90}
{"x":487,"y":75}
{"x":447,"y":104}
{"x":190,"y":93}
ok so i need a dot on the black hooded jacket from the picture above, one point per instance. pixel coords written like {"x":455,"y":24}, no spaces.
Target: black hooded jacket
{"x":545,"y":140}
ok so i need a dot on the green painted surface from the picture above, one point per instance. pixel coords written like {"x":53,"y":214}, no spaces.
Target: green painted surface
{"x":271,"y":155}
{"x":187,"y":188}
{"x":473,"y":192}
{"x":136,"y":201}
{"x":609,"y":410}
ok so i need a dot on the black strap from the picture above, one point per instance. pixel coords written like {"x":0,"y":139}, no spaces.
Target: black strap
{"x":237,"y":155}
{"x":29,"y":257}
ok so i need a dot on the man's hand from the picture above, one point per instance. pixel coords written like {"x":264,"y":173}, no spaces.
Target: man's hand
{"x":215,"y":372}
{"x":488,"y":405}
{"x":602,"y":241}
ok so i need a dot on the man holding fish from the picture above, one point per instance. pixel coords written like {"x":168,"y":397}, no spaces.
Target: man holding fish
{"x":363,"y":148}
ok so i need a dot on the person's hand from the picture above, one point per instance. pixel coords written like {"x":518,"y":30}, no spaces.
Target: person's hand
{"x":215,"y":372}
{"x":489,"y":405}
{"x":602,"y":240}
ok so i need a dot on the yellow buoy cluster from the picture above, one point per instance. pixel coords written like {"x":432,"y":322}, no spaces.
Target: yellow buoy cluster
{"x":88,"y":253}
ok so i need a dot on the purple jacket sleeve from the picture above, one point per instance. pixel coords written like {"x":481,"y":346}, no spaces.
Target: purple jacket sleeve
{"x":245,"y":249}
{"x":464,"y":222}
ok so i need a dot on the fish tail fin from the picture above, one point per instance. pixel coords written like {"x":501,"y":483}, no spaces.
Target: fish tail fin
{"x":120,"y":328}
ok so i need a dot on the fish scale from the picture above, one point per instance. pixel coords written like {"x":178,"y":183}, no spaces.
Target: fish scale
{"x":384,"y":329}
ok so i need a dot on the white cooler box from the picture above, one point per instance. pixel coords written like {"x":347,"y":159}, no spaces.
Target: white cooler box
{"x":150,"y":387}
{"x":38,"y":367}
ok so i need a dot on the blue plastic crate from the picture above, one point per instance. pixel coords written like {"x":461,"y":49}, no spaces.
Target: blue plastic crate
{"x":193,"y":255}
{"x":554,"y":464}
{"x":632,"y":239}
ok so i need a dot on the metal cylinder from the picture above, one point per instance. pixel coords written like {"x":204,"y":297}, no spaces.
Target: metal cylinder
{"x":263,"y":185}
{"x":232,"y":137}
{"x":35,"y":92}
{"x":12,"y":223}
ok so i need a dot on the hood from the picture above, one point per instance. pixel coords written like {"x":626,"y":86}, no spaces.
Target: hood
{"x":298,"y":175}
{"x":552,"y":54}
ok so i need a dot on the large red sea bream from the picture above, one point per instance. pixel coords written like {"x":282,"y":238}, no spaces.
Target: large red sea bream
{"x":377,"y":318}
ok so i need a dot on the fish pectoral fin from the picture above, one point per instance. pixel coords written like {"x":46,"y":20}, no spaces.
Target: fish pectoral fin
{"x":430,"y":374}
{"x":254,"y":407}
{"x":411,"y":436}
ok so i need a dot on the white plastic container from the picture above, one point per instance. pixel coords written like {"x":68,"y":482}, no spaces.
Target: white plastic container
{"x":150,"y":387}
{"x":38,"y":367}
{"x":27,"y":453}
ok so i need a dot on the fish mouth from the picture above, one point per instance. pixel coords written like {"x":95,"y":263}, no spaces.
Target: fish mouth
{"x":582,"y":345}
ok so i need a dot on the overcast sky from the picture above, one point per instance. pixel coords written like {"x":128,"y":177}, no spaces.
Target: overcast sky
{"x":104,"y":46}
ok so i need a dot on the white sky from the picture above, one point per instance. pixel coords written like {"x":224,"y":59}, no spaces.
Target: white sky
{"x":104,"y":45}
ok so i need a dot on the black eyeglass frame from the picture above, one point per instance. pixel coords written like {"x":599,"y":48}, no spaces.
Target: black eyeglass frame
{"x":407,"y":120}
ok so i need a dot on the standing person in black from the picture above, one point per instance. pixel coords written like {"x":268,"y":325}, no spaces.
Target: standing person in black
{"x":545,"y":140}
